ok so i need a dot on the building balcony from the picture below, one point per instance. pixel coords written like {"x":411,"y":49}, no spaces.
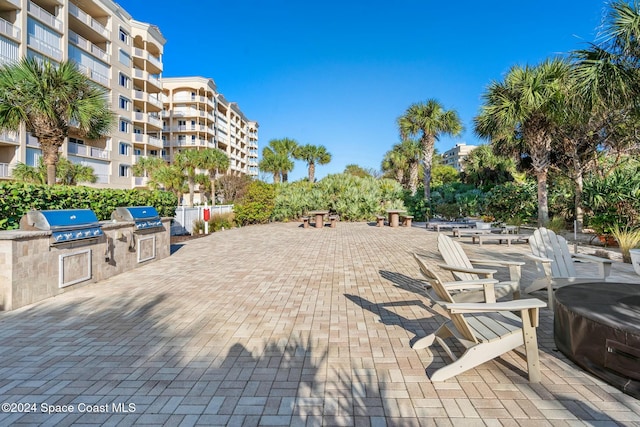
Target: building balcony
{"x":10,"y":137}
{"x":147,"y":77}
{"x":89,"y":21}
{"x":144,"y":96}
{"x":94,"y":75}
{"x":32,"y":141}
{"x":141,"y":53}
{"x":147,"y":139}
{"x":140,"y":181}
{"x":44,"y":48}
{"x":43,"y":16}
{"x":16,"y":3}
{"x":87,"y":151}
{"x":221,"y":118}
{"x":188,"y":142}
{"x":9,"y":30}
{"x":87,"y":46}
{"x":148,"y":119}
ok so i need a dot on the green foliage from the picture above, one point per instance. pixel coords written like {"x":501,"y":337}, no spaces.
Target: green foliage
{"x":627,"y":238}
{"x":198,"y":227}
{"x":443,"y":174}
{"x":256,"y":206}
{"x":512,"y":202}
{"x":221,"y":221}
{"x":556,"y":224}
{"x":416,"y":205}
{"x":293,"y":200}
{"x":17,"y":198}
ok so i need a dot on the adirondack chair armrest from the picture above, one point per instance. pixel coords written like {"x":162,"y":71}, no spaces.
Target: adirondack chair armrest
{"x":496,"y":262}
{"x":481,"y":307}
{"x":538,"y":258}
{"x":591,"y":258}
{"x":462,"y":285}
{"x":480,"y":271}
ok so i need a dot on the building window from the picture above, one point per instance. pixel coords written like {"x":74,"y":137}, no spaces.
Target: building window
{"x":124,"y":58}
{"x":76,"y":141}
{"x":182,"y":139}
{"x":124,"y":170}
{"x":125,"y":103}
{"x":193,"y":140}
{"x":125,"y":149}
{"x":153,"y":152}
{"x":125,"y":126}
{"x":124,"y":36}
{"x":124,"y":81}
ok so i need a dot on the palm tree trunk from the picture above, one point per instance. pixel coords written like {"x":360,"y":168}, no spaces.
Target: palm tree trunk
{"x":213,"y":191}
{"x":413,"y":177}
{"x":192,"y":190}
{"x":50,"y":158}
{"x":276,"y":177}
{"x":312,"y":171}
{"x":579,"y":210}
{"x":428,"y":142}
{"x":543,"y":202}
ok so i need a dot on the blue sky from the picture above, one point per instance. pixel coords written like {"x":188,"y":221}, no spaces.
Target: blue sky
{"x":339,"y":73}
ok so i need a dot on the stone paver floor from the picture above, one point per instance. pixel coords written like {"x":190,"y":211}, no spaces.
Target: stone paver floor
{"x":278,"y":325}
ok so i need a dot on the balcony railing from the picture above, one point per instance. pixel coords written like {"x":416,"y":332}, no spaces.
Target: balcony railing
{"x":87,"y":151}
{"x":32,"y":141}
{"x":42,"y":47}
{"x":8,"y":29}
{"x":7,"y":136}
{"x":146,"y":139}
{"x":141,"y":53}
{"x":94,"y":75}
{"x":44,"y":16}
{"x":88,"y":20}
{"x":86,"y":45}
{"x":141,"y":181}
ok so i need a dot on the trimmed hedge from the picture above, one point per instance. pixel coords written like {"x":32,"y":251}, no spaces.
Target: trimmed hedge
{"x":17,"y":198}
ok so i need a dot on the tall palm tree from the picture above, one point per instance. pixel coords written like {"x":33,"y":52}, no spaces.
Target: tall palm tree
{"x":482,"y":167}
{"x":271,"y":162}
{"x":214,"y":160}
{"x":412,"y":152}
{"x":50,"y":99}
{"x":189,"y":161}
{"x":171,"y":178}
{"x":521,"y":113}
{"x":67,"y":172}
{"x":428,"y":121}
{"x":284,"y":149}
{"x":148,"y":166}
{"x":394,"y":163}
{"x":312,"y":155}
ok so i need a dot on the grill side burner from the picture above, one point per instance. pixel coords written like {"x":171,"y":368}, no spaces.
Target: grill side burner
{"x":66,"y":225}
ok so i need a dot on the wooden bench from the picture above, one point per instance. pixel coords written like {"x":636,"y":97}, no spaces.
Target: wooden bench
{"x":305,"y":222}
{"x":406,"y":220}
{"x":499,"y":237}
{"x":380,"y":220}
{"x":334,"y":220}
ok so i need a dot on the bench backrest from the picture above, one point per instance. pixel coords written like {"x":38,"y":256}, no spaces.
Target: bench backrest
{"x":547,"y":244}
{"x":454,"y":255}
{"x":442,"y":295}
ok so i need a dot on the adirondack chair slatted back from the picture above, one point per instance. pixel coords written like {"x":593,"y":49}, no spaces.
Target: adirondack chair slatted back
{"x":547,"y":244}
{"x":445,"y":297}
{"x":454,"y":255}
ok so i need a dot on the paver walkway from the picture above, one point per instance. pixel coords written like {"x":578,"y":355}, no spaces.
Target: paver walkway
{"x":278,"y":325}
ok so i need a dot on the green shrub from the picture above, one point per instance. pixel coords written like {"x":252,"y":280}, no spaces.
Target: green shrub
{"x":197,"y":227}
{"x":511,"y":202}
{"x":17,"y":198}
{"x":556,"y":224}
{"x":257,"y":204}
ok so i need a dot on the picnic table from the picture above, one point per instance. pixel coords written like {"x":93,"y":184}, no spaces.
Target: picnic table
{"x":394,"y":216}
{"x":319,"y":217}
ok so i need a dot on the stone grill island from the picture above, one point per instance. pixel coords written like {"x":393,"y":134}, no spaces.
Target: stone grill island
{"x":57,"y":250}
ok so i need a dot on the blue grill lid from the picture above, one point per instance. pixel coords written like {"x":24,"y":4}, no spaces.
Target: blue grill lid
{"x":135,"y":213}
{"x":62,"y":219}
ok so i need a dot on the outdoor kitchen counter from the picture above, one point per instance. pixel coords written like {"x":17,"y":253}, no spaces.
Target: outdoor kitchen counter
{"x":33,"y":268}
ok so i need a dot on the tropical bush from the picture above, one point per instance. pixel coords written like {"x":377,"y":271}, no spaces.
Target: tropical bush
{"x":17,"y":198}
{"x":511,"y":202}
{"x":627,"y":238}
{"x":217,"y":222}
{"x":257,"y":204}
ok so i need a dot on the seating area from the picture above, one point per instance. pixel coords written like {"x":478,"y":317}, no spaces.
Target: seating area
{"x":265,"y":336}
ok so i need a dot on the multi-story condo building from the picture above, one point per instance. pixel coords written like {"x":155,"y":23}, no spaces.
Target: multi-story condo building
{"x":455,"y":156}
{"x":124,"y":56}
{"x":196,"y":116}
{"x":115,"y":51}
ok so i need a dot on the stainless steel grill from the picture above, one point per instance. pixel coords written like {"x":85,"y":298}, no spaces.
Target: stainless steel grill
{"x":144,"y":217}
{"x":66,"y":225}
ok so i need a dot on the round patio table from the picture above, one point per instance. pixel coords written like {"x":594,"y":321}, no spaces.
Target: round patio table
{"x":319,"y":217}
{"x":597,"y":326}
{"x":394,"y":216}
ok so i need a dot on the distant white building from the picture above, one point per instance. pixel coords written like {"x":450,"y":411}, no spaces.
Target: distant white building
{"x":455,"y":156}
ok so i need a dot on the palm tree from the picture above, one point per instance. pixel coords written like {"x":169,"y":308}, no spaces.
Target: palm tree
{"x":213,"y":160}
{"x":482,"y":167}
{"x":428,"y":121}
{"x":284,"y":149}
{"x":312,"y":155}
{"x":67,"y":173}
{"x":271,"y":163}
{"x":411,"y":151}
{"x":171,"y":178}
{"x":394,"y":163}
{"x":521,"y":114}
{"x":34,"y":175}
{"x":50,"y":99}
{"x":188,"y":161}
{"x":148,"y":166}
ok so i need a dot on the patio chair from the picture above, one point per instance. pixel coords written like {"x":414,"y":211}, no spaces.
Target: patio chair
{"x":556,"y":265}
{"x":486,"y":330}
{"x":463,"y":268}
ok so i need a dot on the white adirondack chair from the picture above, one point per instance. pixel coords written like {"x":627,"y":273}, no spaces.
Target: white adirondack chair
{"x":485,"y":329}
{"x":556,"y":265}
{"x":463,"y":268}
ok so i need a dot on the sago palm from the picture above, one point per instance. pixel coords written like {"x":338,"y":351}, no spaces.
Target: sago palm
{"x":520,"y":114}
{"x":50,"y":99}
{"x":427,"y":122}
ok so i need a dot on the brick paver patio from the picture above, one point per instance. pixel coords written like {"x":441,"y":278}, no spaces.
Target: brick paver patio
{"x":278,"y":325}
